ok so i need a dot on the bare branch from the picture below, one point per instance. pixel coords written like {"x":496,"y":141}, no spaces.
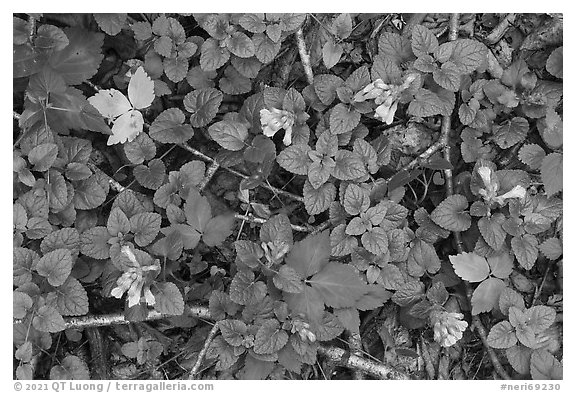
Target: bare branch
{"x":202,"y":353}
{"x":498,"y":32}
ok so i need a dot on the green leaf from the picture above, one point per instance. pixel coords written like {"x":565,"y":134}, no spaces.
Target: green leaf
{"x":375,"y":241}
{"x":110,"y":24}
{"x":448,"y":76}
{"x":277,"y":229}
{"x":540,"y":318}
{"x":525,"y":248}
{"x":470,"y":266}
{"x":240,"y":45}
{"x":342,"y":26}
{"x":387,"y":69}
{"x":169,"y":127}
{"x":145,"y":227}
{"x":450,"y":215}
{"x":38,"y":228}
{"x":233,"y":331}
{"x":175,"y":68}
{"x":532,"y":155}
{"x":408,"y":293}
{"x":55,"y":266}
{"x":270,"y":338}
{"x":142,"y":30}
{"x":212,"y":56}
{"x":253,"y":23}
{"x":319,"y":172}
{"x":264,"y":48}
{"x":230,"y":135}
{"x":26,"y":61}
{"x":325,"y":86}
{"x":331,"y":53}
{"x":129,"y":203}
{"x":60,"y":193}
{"x":318,"y":200}
{"x":356,"y":199}
{"x":168,"y":298}
{"x":519,"y":358}
{"x":203,"y":104}
{"x":197,"y":210}
{"x":551,"y":248}
{"x":71,"y":298}
{"x":467,"y":54}
{"x":343,"y":118}
{"x":140,"y":149}
{"x":24,"y":353}
{"x":218,"y":229}
{"x":295,"y":159}
{"x":288,"y":280}
{"x":338,"y":285}
{"x":511,"y":132}
{"x":423,"y":41}
{"x":21,"y":303}
{"x":307,"y":302}
{"x":43,"y":156}
{"x":501,"y":264}
{"x":422,"y":258}
{"x":48,"y":319}
{"x":220,"y":305}
{"x":151,"y":175}
{"x":502,"y":336}
{"x":486,"y":295}
{"x":396,"y":47}
{"x":510,"y":298}
{"x":554,"y":63}
{"x":309,"y":256}
{"x":244,"y":290}
{"x":234,"y":83}
{"x":248,"y":253}
{"x":22,"y":260}
{"x":349,"y":166}
{"x":79,"y":60}
{"x":427,"y":103}
{"x":492,"y":231}
{"x":20,"y":31}
{"x":89,"y":194}
{"x":117,"y":222}
{"x":76,"y":171}
{"x":70,"y":368}
{"x":341,"y":243}
{"x":249,"y":68}
{"x":543,"y":365}
{"x":551,"y":173}
{"x":199,"y":79}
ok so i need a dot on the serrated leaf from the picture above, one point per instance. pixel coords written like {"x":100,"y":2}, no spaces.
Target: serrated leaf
{"x":21,"y":303}
{"x":295,"y":159}
{"x":76,"y":171}
{"x":168,"y":299}
{"x":71,"y":298}
{"x":385,"y":68}
{"x":277,"y":230}
{"x":234,"y":82}
{"x":249,"y":253}
{"x":308,"y":303}
{"x":117,"y":222}
{"x":325,"y":86}
{"x":140,"y":149}
{"x":349,"y":166}
{"x":145,"y":227}
{"x":175,"y":68}
{"x":270,"y":338}
{"x":318,"y":200}
{"x":502,"y":336}
{"x":525,"y":248}
{"x":43,"y":156}
{"x":309,"y":256}
{"x":470,"y":266}
{"x":519,"y":358}
{"x":492,"y":231}
{"x":55,"y":266}
{"x":551,"y":248}
{"x":375,"y":241}
{"x":94,"y":243}
{"x":48,"y":319}
{"x":408,"y":293}
{"x":341,"y":243}
{"x":510,"y":298}
{"x":511,"y":132}
{"x":240,"y":45}
{"x":468,"y":54}
{"x":70,"y":368}
{"x":142,"y":30}
{"x":356,"y":199}
{"x":230,"y":135}
{"x":448,"y":76}
{"x":244,"y":290}
{"x":212,"y":56}
{"x":540,"y":318}
{"x":554,"y":62}
{"x":552,"y":174}
{"x":395,"y":47}
{"x":203,"y":104}
{"x":449,"y":214}
{"x":110,"y":24}
{"x":197,"y":210}
{"x":343,"y":118}
{"x":501,"y":264}
{"x":79,"y":60}
{"x":331,"y":53}
{"x":151,"y":175}
{"x":339,"y":285}
{"x":427,"y":103}
{"x":486,"y":295}
{"x":68,"y":238}
{"x":169,"y":127}
{"x":218,"y":229}
{"x":288,"y":280}
{"x":543,"y":365}
{"x":422,"y":258}
{"x":264,"y":48}
{"x":532,"y":155}
{"x":253,"y":23}
{"x":423,"y":41}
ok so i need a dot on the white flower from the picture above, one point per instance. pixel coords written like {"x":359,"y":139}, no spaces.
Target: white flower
{"x":272,"y":121}
{"x":517,"y":192}
{"x":448,"y":327}
{"x":489,"y":192}
{"x":133,"y":281}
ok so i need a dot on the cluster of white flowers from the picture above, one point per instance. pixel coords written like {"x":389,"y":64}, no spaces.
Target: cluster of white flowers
{"x":385,"y":96}
{"x":274,"y":120}
{"x":448,"y":327}
{"x":132,"y":281}
{"x":489,"y":192}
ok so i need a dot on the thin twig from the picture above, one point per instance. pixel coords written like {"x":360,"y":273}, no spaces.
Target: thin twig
{"x":202,"y":353}
{"x":258,"y":220}
{"x":498,"y":32}
{"x":209,"y":159}
{"x":304,"y":56}
{"x":383,"y":371}
{"x":210,"y":172}
{"x":425,"y":155}
{"x":114,"y":184}
{"x":355,"y":343}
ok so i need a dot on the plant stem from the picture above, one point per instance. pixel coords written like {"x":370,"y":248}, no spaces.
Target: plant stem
{"x":202,"y":353}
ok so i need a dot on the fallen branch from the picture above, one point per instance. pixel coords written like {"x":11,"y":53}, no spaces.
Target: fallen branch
{"x":355,"y":343}
{"x":344,"y":358}
{"x":444,"y":138}
{"x":498,"y":32}
{"x":258,"y":220}
{"x":210,"y":172}
{"x":304,"y":56}
{"x":202,"y":353}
